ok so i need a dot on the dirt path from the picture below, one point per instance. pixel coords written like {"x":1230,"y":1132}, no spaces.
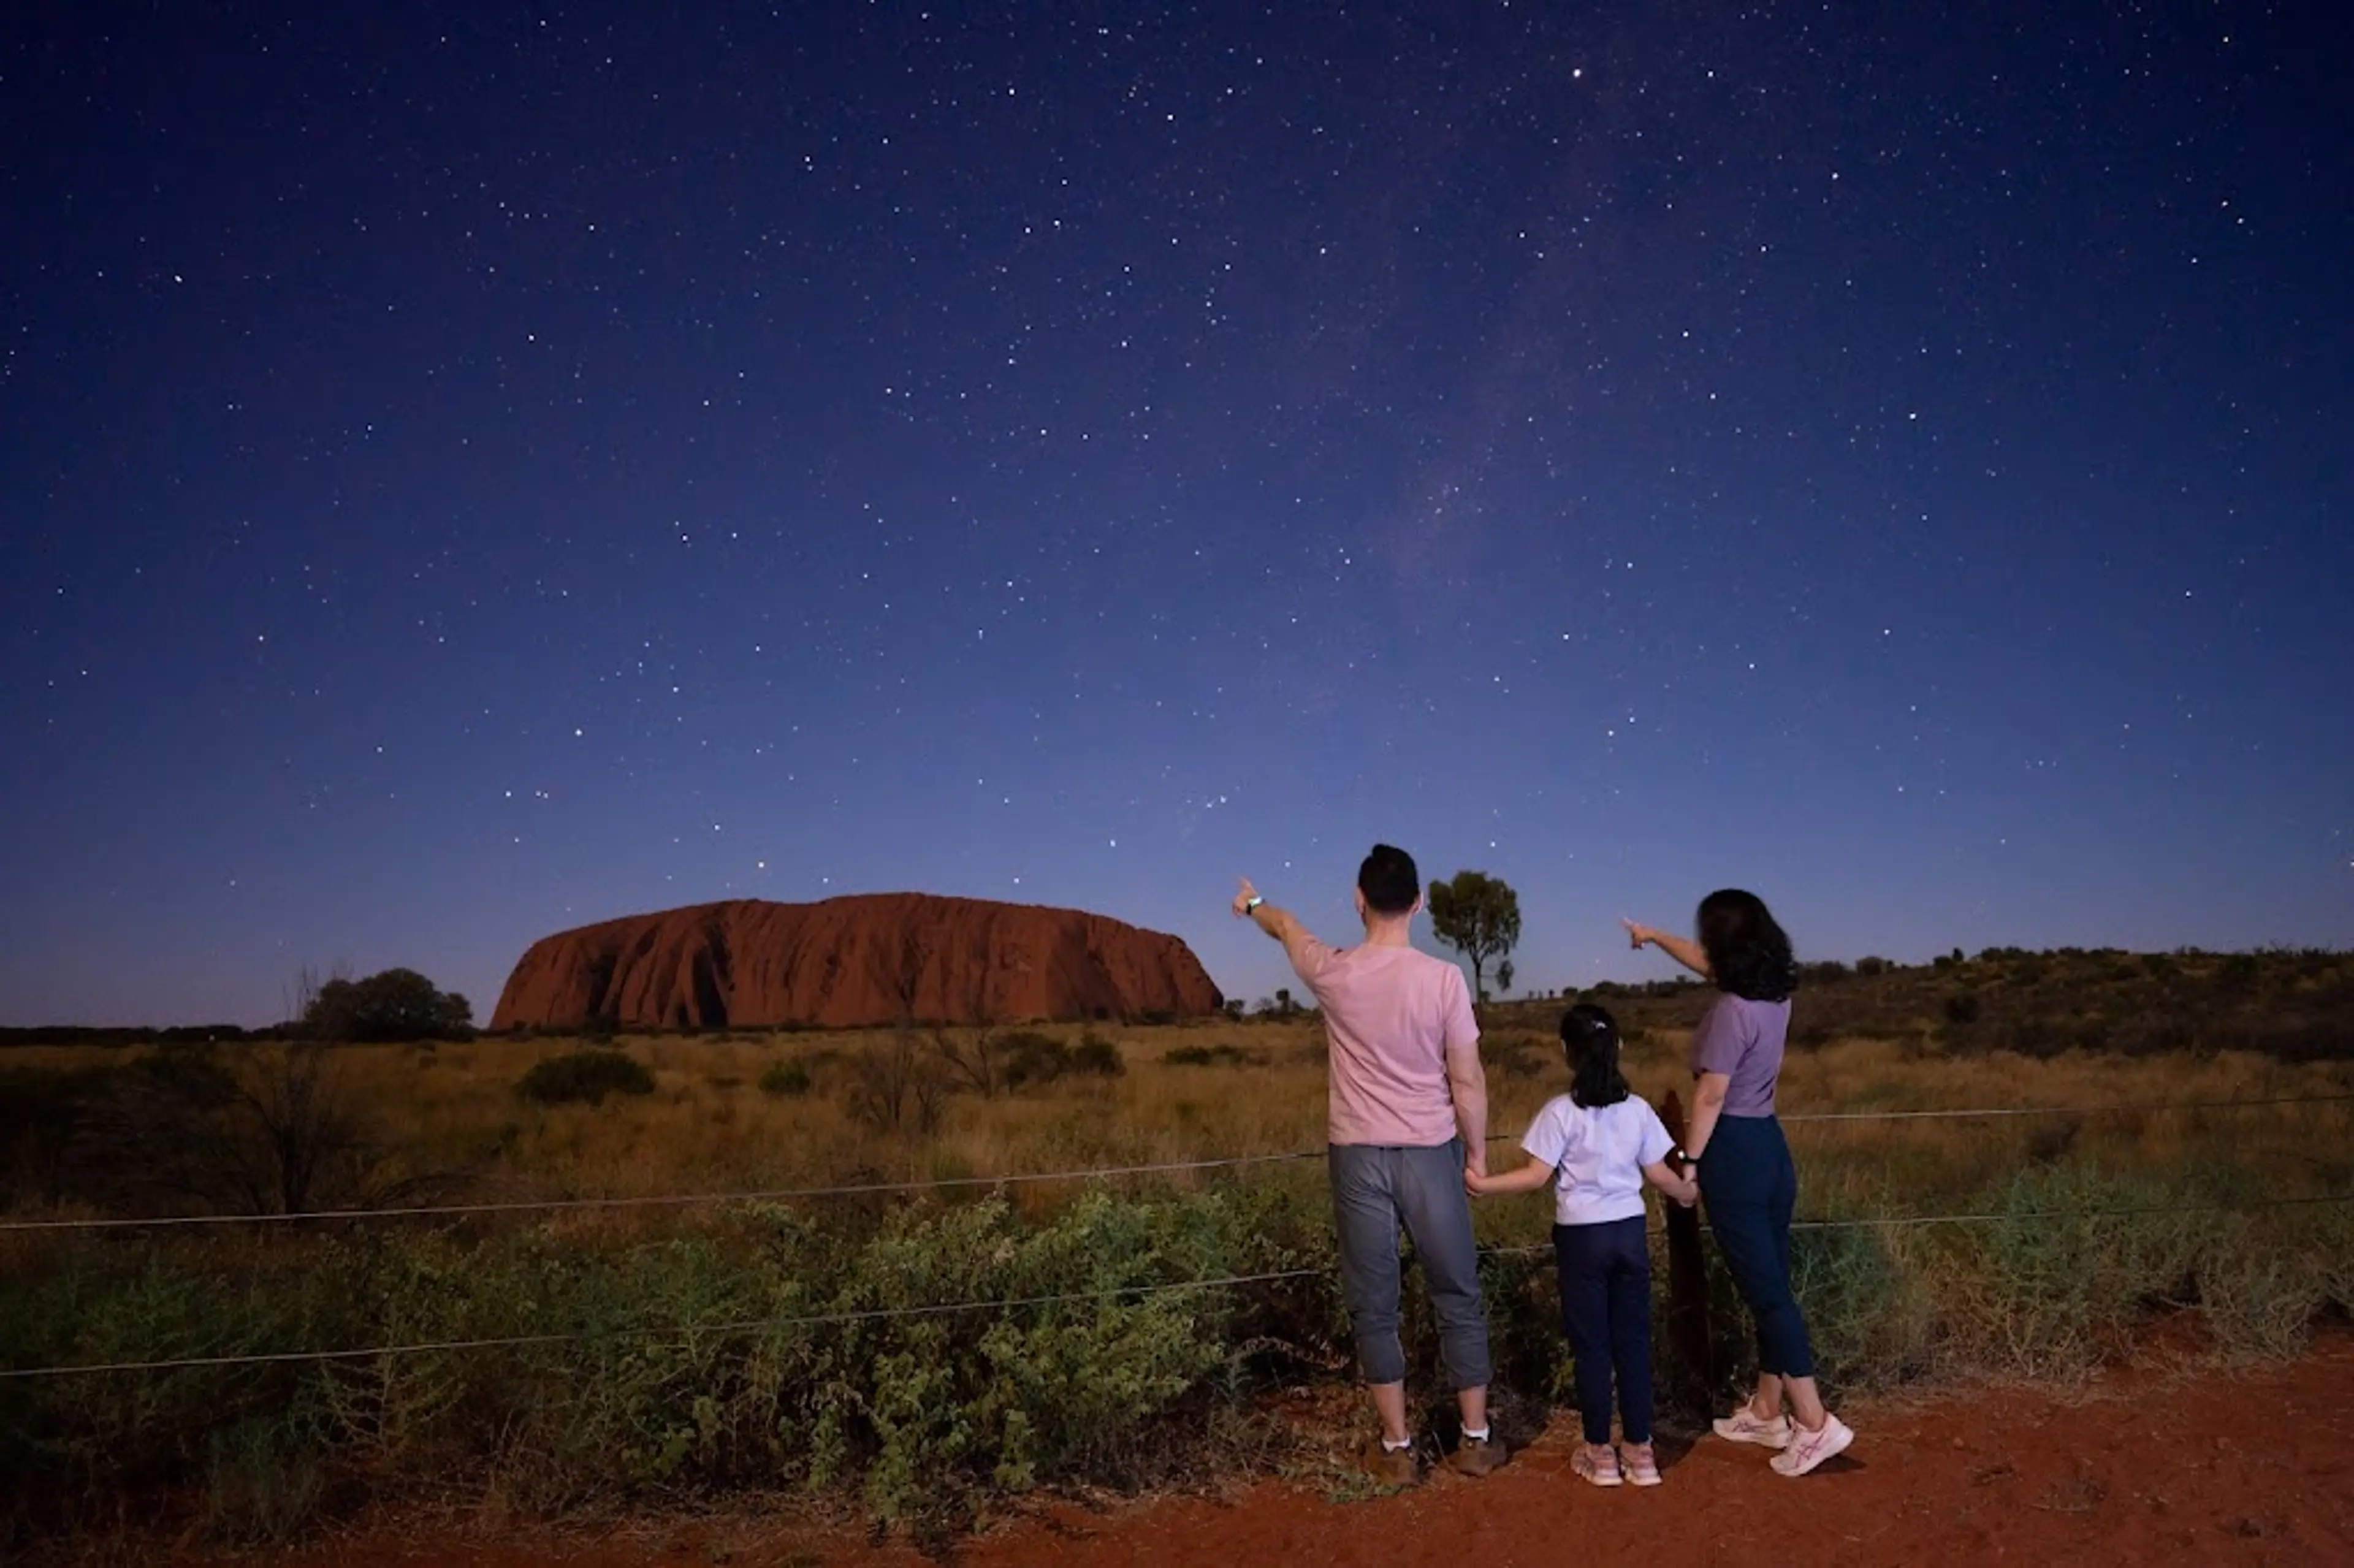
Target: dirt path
{"x":2256,"y":1469}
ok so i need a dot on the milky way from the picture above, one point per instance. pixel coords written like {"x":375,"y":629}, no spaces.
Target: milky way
{"x":472,"y":471}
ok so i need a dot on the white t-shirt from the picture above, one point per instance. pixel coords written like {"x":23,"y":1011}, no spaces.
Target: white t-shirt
{"x":1597,"y":1155}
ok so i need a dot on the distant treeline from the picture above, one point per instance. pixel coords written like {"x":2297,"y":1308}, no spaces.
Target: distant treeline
{"x":177,"y":1034}
{"x":2296,"y":1004}
{"x":2292,"y":1002}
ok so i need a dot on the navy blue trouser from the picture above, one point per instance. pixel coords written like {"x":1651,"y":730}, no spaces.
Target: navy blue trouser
{"x":1606,"y":1311}
{"x":1751,"y":1187}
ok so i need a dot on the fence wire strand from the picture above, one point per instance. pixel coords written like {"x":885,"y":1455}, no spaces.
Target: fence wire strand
{"x":1005,"y":1304}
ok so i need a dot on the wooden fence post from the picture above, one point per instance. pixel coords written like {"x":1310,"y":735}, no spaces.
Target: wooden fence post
{"x":1691,"y":1380}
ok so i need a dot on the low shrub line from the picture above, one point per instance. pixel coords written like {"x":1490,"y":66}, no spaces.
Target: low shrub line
{"x":933,"y":1415}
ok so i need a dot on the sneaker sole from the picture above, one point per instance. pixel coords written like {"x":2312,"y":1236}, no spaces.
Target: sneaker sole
{"x":1830,"y":1450}
{"x":1732,"y":1433}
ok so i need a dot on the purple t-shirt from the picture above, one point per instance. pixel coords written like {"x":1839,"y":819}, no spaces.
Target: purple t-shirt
{"x":1743,"y":1040}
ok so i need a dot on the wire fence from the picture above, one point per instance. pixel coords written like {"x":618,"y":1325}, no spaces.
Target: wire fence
{"x":677,"y":1330}
{"x":773,"y":1323}
{"x":1016,"y":1179}
{"x":1005,"y":1304}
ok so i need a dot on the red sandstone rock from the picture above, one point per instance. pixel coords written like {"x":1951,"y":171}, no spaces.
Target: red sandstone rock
{"x":872,"y":959}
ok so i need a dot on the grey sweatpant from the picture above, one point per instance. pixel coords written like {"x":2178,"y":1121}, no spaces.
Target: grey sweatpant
{"x":1376,"y":1188}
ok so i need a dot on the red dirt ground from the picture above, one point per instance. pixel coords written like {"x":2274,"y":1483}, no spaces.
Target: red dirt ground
{"x":2256,"y":1467}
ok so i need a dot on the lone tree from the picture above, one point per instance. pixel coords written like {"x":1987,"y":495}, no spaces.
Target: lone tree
{"x":1479,"y":917}
{"x":399,"y":1005}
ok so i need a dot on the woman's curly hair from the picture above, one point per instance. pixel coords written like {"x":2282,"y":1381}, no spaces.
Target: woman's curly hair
{"x":1748,"y":952}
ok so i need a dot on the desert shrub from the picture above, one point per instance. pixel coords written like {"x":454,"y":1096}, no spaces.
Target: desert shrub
{"x":816,"y":1378}
{"x":785,"y":1079}
{"x":1096,"y":1056}
{"x":1027,"y":1056}
{"x":2259,"y":1292}
{"x":2057,"y":1282}
{"x":272,"y":1131}
{"x":262,"y":1481}
{"x":898,"y":1085}
{"x":1868,"y":1314}
{"x":1221,"y":1055}
{"x":585,"y":1078}
{"x":775,"y":1346}
{"x":1962,"y":1009}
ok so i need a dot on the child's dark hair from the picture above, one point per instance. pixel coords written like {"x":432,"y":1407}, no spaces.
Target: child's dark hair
{"x":1589,"y":1038}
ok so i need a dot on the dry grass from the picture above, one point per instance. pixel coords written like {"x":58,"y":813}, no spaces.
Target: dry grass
{"x":584,"y":1418}
{"x":710,"y":1127}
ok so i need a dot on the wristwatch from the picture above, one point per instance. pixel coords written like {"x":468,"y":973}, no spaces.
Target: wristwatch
{"x":1253,"y":902}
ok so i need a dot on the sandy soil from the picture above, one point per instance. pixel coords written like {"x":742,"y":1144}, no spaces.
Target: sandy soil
{"x":2256,"y":1467}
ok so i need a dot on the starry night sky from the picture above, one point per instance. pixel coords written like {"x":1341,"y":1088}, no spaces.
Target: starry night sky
{"x":470,"y":471}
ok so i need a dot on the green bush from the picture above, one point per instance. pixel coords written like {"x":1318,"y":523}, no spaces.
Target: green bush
{"x":1027,"y":1056}
{"x":798,"y":1379}
{"x":399,"y":1005}
{"x":777,"y":1346}
{"x":1214,"y":1056}
{"x":1097,"y":1057}
{"x":586,"y":1077}
{"x":785,"y":1078}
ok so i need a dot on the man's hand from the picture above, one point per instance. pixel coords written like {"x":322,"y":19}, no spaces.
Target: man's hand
{"x":1242,"y":899}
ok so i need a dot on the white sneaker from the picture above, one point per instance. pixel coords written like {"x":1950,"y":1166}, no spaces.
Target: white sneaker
{"x":1742,"y":1426}
{"x":1808,"y":1449}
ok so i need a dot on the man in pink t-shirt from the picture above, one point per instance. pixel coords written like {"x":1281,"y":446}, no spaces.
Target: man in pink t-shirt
{"x":1407,"y":1112}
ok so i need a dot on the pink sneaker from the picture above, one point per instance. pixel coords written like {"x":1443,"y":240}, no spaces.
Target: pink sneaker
{"x":1742,"y":1426}
{"x":1597,"y":1463}
{"x":1640,"y":1465}
{"x":1808,"y":1449}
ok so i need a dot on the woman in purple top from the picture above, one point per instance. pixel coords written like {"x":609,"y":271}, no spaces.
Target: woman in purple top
{"x":1746,"y":1176}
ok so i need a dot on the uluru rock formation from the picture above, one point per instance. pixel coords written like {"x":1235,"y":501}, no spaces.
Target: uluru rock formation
{"x":846,"y":963}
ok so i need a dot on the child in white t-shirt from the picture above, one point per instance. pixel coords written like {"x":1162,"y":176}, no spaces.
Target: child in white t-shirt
{"x":1596,"y":1145}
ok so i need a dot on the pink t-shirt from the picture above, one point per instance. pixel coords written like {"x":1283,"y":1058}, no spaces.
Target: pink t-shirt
{"x":1391,"y":1014}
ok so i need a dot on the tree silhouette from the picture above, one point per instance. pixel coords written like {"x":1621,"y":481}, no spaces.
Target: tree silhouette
{"x":398,"y":1004}
{"x":1479,"y":917}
